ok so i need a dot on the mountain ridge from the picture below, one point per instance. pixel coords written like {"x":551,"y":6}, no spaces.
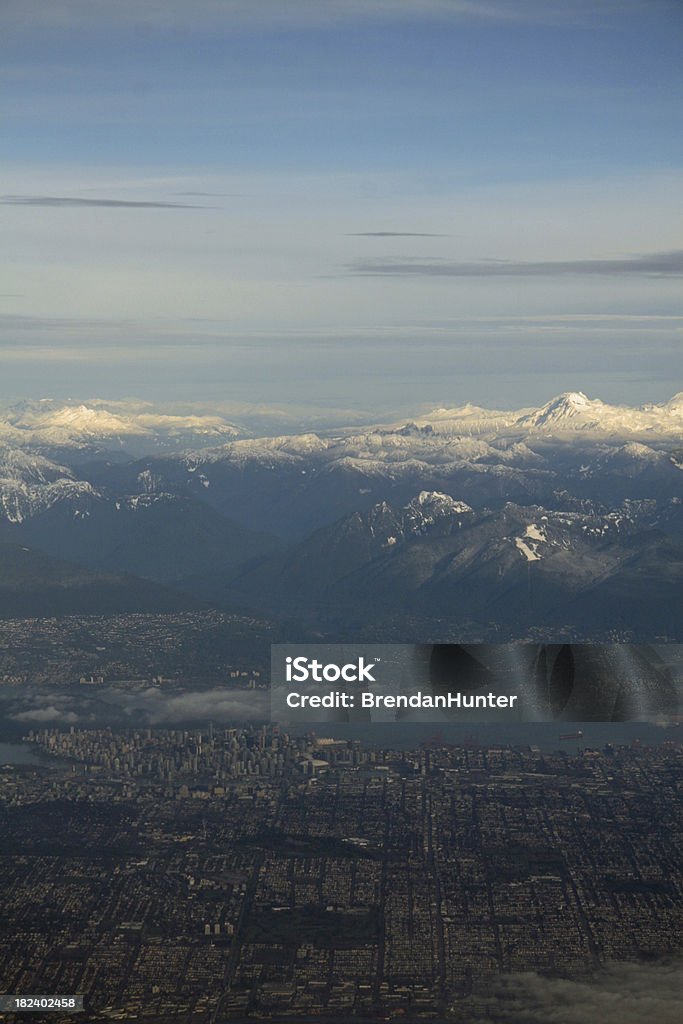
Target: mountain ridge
{"x":50,"y":423}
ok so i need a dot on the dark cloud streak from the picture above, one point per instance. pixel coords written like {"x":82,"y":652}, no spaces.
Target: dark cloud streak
{"x":213,"y":195}
{"x":395,"y":234}
{"x":657,"y":264}
{"x":74,"y":201}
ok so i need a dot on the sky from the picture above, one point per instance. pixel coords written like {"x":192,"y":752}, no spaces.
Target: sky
{"x":375,"y":207}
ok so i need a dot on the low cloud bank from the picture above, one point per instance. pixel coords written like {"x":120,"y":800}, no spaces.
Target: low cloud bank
{"x":126,"y":709}
{"x":219,"y":705}
{"x":631,"y":993}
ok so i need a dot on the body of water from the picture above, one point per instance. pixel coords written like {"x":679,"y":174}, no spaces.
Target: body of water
{"x":19,"y":753}
{"x":546,"y":735}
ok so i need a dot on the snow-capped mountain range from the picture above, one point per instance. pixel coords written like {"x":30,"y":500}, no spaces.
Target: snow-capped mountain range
{"x":438,"y":562}
{"x":456,"y":513}
{"x":31,"y":484}
{"x":291,"y":484}
{"x":565,"y":414}
{"x":46,"y":423}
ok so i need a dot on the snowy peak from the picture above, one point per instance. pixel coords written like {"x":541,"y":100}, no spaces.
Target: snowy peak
{"x":26,"y":467}
{"x":391,"y":527}
{"x":430,"y":508}
{"x":49,"y":423}
{"x":426,"y":510}
{"x":467,"y":420}
{"x":20,"y":501}
{"x":568,"y":406}
{"x":640,"y":453}
{"x":575,"y":411}
{"x":266,"y":451}
{"x":437,"y":504}
{"x":566,"y":413}
{"x":80,"y":423}
{"x":675,"y":404}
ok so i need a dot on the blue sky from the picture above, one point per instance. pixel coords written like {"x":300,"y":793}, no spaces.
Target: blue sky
{"x":385,"y":205}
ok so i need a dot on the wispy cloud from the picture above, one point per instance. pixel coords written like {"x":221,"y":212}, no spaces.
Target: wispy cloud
{"x":235,"y":14}
{"x":77,"y":201}
{"x":657,"y":264}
